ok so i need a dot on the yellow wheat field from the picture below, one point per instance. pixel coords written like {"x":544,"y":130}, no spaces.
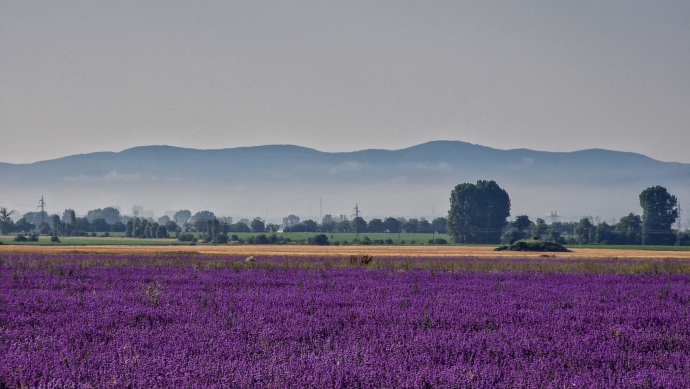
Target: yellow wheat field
{"x":379,"y":251}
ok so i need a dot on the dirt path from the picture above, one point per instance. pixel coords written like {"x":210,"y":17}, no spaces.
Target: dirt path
{"x":380,"y":251}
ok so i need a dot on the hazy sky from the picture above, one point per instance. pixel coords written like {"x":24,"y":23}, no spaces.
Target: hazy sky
{"x":78,"y":77}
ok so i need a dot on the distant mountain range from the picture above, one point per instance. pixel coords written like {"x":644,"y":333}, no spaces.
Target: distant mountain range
{"x":273,"y":181}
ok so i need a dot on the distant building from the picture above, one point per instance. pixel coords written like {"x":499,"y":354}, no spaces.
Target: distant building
{"x":139,"y":211}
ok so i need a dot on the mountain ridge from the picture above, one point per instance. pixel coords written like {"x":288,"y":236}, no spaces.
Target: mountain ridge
{"x":292,"y":146}
{"x":278,"y":178}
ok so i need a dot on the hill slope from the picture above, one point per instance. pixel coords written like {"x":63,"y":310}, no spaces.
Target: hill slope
{"x":280,"y":179}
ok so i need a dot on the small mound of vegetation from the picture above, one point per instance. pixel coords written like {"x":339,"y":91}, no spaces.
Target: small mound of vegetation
{"x":534,"y":245}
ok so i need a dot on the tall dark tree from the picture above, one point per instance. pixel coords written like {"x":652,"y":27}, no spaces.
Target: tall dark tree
{"x":376,"y":225}
{"x":629,"y":229}
{"x":56,"y":225}
{"x":392,"y":225}
{"x":100,"y":225}
{"x":24,"y":225}
{"x":424,"y":226}
{"x":290,"y":220}
{"x":257,"y":225}
{"x":182,"y":217}
{"x":129,"y":231}
{"x":522,"y":222}
{"x":659,"y":212}
{"x":202,"y":215}
{"x":411,"y":226}
{"x":359,"y":225}
{"x":478,"y":212}
{"x":540,"y":227}
{"x":584,"y":231}
{"x":6,"y":223}
{"x":439,"y":225}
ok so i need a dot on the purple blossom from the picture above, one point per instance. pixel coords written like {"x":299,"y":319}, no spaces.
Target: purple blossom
{"x":84,"y":321}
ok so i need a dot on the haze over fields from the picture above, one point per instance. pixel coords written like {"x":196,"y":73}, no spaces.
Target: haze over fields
{"x":96,"y":78}
{"x":274,"y":181}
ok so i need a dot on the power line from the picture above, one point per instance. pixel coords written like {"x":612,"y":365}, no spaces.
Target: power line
{"x":42,"y":204}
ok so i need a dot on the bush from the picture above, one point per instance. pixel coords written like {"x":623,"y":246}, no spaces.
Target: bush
{"x":54,"y":239}
{"x":106,"y":234}
{"x":389,"y":241}
{"x":221,"y":239}
{"x":365,"y":241}
{"x":93,"y":234}
{"x":234,"y":238}
{"x":20,"y":238}
{"x":261,"y":239}
{"x":441,"y":241}
{"x":186,"y":238}
{"x":318,"y":240}
{"x":534,"y":246}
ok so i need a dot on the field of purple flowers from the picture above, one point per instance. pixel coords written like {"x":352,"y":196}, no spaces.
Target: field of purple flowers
{"x":86,"y":321}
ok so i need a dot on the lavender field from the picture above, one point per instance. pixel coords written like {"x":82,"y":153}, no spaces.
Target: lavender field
{"x":84,"y":321}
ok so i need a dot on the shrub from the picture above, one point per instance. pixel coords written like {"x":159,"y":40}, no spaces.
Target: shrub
{"x":261,"y":239}
{"x":186,"y":238}
{"x":535,"y":246}
{"x":318,"y":240}
{"x":20,"y":238}
{"x":54,"y":239}
{"x":93,"y":234}
{"x":389,"y":241}
{"x":221,"y":239}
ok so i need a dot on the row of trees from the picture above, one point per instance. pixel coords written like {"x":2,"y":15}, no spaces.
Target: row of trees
{"x":331,"y":224}
{"x":109,"y":220}
{"x":479,"y":214}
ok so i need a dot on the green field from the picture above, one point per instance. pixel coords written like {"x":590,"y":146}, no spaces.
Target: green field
{"x":296,"y":237}
{"x":88,"y":241}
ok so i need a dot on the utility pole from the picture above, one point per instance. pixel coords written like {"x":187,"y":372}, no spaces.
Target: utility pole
{"x":680,"y":212}
{"x":42,"y":205}
{"x":321,"y":208}
{"x":356,"y":215}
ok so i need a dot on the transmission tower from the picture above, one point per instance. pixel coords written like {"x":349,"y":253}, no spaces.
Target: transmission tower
{"x":42,"y":205}
{"x":356,"y":215}
{"x":553,"y":216}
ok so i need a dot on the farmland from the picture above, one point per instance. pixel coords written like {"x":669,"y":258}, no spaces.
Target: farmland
{"x":117,"y":238}
{"x":181,"y":319}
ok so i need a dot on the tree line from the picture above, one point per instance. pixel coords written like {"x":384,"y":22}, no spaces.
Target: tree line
{"x":479,"y":214}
